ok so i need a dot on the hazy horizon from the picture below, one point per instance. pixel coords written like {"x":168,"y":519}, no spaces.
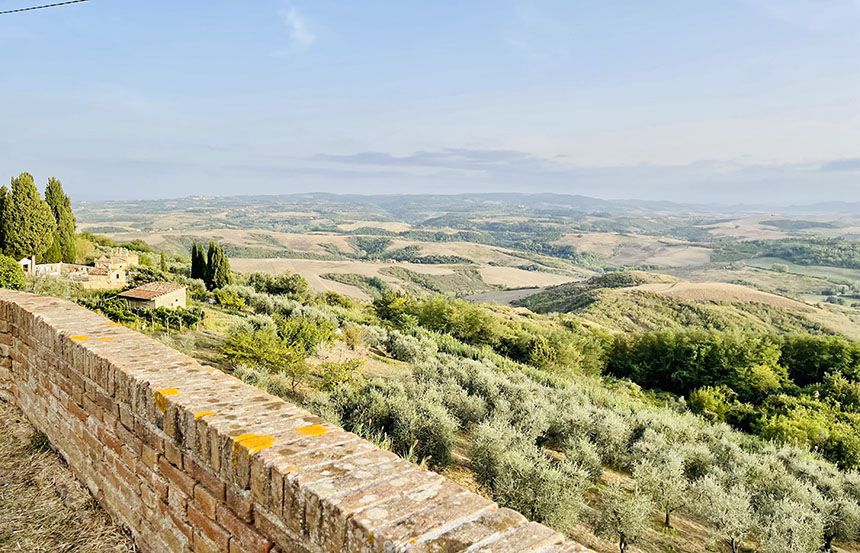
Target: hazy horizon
{"x":739,"y":102}
{"x":749,"y":207}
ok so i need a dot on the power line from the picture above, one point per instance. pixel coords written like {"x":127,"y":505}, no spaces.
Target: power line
{"x":43,"y":6}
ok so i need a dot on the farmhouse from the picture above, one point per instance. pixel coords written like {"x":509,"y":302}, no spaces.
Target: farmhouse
{"x":85,"y":276}
{"x":155,"y":294}
{"x":118,"y":258}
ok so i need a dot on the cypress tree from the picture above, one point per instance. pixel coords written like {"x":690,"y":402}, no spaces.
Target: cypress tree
{"x":62,"y":247}
{"x":4,"y":194}
{"x":198,"y":261}
{"x":162,"y":263}
{"x":218,"y":268}
{"x":27,"y":221}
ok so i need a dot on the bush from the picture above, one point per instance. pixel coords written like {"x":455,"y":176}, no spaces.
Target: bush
{"x":542,"y":490}
{"x":335,"y":374}
{"x":289,"y":284}
{"x":374,"y":336}
{"x":229,"y":299}
{"x":417,"y":427}
{"x":584,"y":454}
{"x":59,"y":287}
{"x":409,"y":348}
{"x":712,"y":402}
{"x":334,"y":299}
{"x":11,"y":274}
{"x":353,"y":336}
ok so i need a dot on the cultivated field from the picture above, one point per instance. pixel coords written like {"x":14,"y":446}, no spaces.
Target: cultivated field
{"x":508,"y":277}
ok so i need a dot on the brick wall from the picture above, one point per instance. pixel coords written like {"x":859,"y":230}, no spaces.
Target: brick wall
{"x":190,"y":459}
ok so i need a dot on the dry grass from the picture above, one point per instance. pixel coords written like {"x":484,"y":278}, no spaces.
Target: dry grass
{"x":42,"y":506}
{"x":748,"y":228}
{"x":631,"y":249}
{"x":392,"y":226}
{"x":722,"y":292}
{"x":512,"y":277}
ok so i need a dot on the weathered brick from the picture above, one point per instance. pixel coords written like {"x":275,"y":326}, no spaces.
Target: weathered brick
{"x":212,"y":483}
{"x":247,"y":536}
{"x":208,"y":528}
{"x":240,"y":503}
{"x":205,"y":501}
{"x":176,"y":477}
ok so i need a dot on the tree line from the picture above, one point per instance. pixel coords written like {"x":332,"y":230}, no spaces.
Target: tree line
{"x":32,"y":226}
{"x":210,"y":265}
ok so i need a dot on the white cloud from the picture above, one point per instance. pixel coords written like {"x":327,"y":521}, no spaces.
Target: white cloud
{"x":301,"y":36}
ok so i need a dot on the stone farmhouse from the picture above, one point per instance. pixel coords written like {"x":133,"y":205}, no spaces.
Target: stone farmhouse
{"x":118,"y":258}
{"x":86,"y":276}
{"x":156,"y":294}
{"x":109,"y":272}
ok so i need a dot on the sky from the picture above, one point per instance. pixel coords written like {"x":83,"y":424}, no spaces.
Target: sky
{"x":706,"y":101}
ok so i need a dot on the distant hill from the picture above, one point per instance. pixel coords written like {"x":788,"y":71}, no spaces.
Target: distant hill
{"x":638,"y":301}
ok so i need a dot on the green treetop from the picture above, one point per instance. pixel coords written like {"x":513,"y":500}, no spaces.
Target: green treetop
{"x":27,"y":221}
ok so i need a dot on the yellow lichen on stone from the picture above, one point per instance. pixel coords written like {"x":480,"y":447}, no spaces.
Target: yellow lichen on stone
{"x":313,"y":430}
{"x":161,"y":397}
{"x":106,"y":339}
{"x":254,"y":442}
{"x":200,"y":414}
{"x":111,"y":323}
{"x":80,"y":338}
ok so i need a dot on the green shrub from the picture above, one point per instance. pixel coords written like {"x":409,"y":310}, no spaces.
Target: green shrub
{"x":11,"y":274}
{"x":229,"y":299}
{"x":409,"y":348}
{"x":289,"y":284}
{"x":334,"y":374}
{"x":712,"y":402}
{"x":353,"y":336}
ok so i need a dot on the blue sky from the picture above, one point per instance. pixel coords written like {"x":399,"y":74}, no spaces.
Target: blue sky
{"x":705,"y":100}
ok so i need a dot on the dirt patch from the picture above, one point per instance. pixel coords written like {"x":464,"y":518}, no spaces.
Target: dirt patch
{"x":511,"y":277}
{"x":679,"y":256}
{"x":42,"y":506}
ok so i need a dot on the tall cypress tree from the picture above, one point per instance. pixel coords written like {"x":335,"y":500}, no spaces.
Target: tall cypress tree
{"x":4,"y":194}
{"x":62,"y":247}
{"x":198,"y":261}
{"x":218,"y":268}
{"x":27,"y":221}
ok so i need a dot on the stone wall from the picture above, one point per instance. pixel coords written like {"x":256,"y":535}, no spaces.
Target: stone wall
{"x":190,"y":459}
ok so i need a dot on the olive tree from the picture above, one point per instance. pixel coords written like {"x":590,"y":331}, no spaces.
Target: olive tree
{"x":793,"y":527}
{"x":841,"y":517}
{"x":623,"y":517}
{"x":662,"y":478}
{"x":728,"y":510}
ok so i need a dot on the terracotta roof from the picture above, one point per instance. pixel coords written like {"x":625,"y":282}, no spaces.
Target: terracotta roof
{"x":99,"y":271}
{"x":151,"y":291}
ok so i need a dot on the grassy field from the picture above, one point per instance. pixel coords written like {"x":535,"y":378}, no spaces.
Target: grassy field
{"x":43,"y":507}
